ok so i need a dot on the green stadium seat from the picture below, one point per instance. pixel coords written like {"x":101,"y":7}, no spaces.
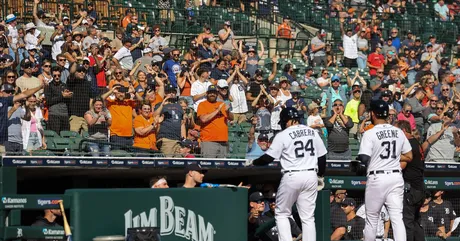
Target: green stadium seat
{"x":50,"y":143}
{"x":85,"y":134}
{"x":75,"y":143}
{"x":62,"y":143}
{"x":50,"y":134}
{"x":69,"y":134}
{"x":120,"y":153}
{"x":42,"y":153}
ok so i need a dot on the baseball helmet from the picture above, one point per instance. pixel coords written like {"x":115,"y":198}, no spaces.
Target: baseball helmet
{"x":287,"y":114}
{"x":380,"y":108}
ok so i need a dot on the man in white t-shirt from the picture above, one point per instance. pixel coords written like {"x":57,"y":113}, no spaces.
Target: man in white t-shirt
{"x":200,"y":87}
{"x":123,"y":57}
{"x":157,"y":44}
{"x":350,"y":46}
{"x":238,"y":94}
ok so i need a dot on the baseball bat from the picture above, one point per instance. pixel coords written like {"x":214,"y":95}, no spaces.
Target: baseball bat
{"x":67,"y":231}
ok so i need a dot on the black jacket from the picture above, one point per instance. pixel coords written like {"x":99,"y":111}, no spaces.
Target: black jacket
{"x":81,"y":96}
{"x":58,"y":105}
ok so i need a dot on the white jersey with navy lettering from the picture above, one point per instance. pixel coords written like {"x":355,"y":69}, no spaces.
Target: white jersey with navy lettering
{"x":297,"y":148}
{"x":384,"y":143}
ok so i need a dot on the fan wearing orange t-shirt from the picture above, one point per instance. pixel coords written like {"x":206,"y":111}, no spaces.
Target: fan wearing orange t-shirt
{"x":121,"y":109}
{"x":284,"y":30}
{"x":213,"y":116}
{"x":146,"y":127}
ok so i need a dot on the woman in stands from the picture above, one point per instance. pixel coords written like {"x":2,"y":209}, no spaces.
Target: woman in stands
{"x":185,"y":80}
{"x":288,"y":72}
{"x":205,"y":34}
{"x":414,"y":65}
{"x":10,"y":77}
{"x":263,"y":107}
{"x":33,"y":137}
{"x":428,"y":86}
{"x":46,"y":75}
{"x":188,"y":114}
{"x":191,"y":55}
{"x":99,"y":120}
{"x":72,"y":52}
{"x":406,"y":114}
{"x":146,"y":127}
{"x":284,"y":91}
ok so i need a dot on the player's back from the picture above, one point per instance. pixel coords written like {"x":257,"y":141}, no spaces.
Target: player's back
{"x":297,"y":147}
{"x":384,"y":144}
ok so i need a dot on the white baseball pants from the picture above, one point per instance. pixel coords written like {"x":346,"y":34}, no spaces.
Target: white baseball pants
{"x":297,"y":187}
{"x":388,"y":189}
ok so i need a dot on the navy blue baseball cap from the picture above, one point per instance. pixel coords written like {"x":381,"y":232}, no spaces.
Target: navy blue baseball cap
{"x":256,"y":196}
{"x":349,"y":202}
{"x":195,"y":167}
{"x":212,"y":88}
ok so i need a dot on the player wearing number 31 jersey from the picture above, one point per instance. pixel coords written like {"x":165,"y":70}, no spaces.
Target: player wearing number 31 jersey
{"x":382,"y":149}
{"x":302,"y":155}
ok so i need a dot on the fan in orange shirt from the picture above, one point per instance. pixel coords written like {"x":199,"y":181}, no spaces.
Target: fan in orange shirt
{"x":145,"y":128}
{"x":127,"y":19}
{"x":284,"y":30}
{"x":213,"y":116}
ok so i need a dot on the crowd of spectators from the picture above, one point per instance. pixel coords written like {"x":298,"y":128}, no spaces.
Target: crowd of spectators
{"x":136,"y":90}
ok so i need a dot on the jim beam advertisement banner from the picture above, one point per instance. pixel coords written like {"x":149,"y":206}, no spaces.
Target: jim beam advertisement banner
{"x":181,"y":214}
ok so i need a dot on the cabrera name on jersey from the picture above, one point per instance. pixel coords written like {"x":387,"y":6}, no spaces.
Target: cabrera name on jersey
{"x":297,"y":147}
{"x":384,"y":144}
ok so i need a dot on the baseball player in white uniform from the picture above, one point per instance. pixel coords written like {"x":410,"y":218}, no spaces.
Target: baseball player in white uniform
{"x":302,"y":155}
{"x":383,"y":225}
{"x":382,"y":149}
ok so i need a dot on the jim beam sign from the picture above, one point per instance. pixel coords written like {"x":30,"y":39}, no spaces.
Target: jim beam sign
{"x":174,"y":220}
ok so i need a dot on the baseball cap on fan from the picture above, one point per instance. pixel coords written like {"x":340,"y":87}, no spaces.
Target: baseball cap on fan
{"x":256,"y":196}
{"x":222,"y":83}
{"x":263,"y":137}
{"x":195,"y":167}
{"x":322,"y":32}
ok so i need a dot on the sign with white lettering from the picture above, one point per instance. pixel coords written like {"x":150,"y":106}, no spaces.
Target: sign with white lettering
{"x":181,"y":214}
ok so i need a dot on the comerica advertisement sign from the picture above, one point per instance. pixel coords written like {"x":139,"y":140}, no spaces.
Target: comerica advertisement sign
{"x":172,"y":220}
{"x":359,"y":183}
{"x":199,"y":214}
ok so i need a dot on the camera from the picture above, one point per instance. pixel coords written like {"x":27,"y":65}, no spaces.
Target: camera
{"x":184,"y":68}
{"x":150,"y":85}
{"x":123,"y":89}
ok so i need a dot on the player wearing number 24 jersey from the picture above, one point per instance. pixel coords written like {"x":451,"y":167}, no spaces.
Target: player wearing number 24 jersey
{"x":382,"y":149}
{"x":302,"y":155}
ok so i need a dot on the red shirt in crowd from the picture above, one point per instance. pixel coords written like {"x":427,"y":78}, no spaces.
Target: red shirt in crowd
{"x":375,"y":60}
{"x":100,"y":76}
